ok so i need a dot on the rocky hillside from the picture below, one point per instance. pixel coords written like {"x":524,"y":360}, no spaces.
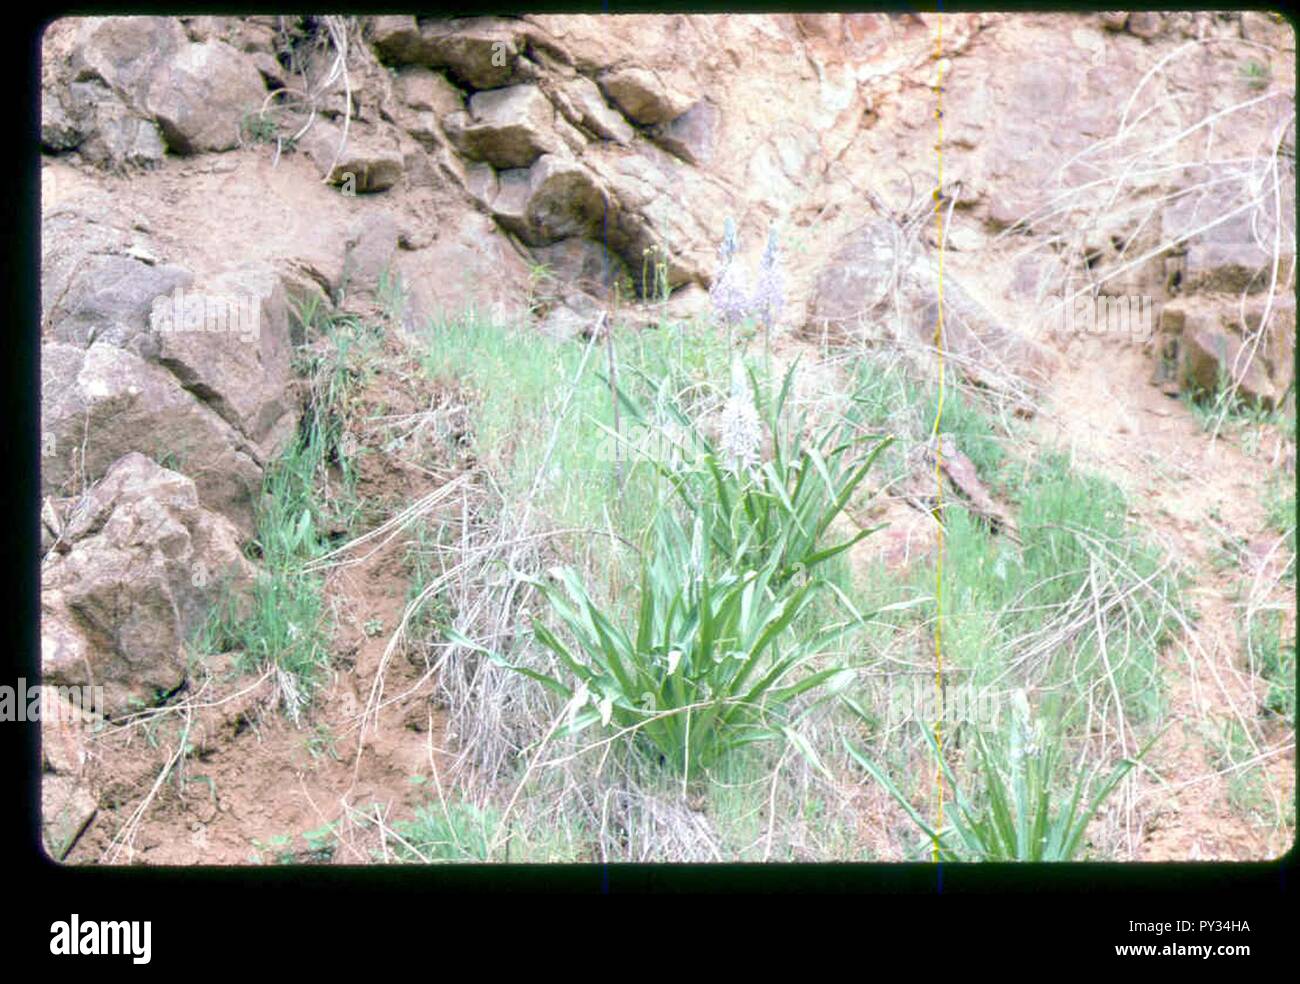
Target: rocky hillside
{"x":555,"y":172}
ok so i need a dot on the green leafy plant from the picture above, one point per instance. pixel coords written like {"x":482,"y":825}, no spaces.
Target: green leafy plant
{"x":541,"y":289}
{"x":654,"y":275}
{"x":710,"y":661}
{"x":321,"y":843}
{"x":322,"y":742}
{"x":1280,"y":502}
{"x":1273,"y":656}
{"x":781,"y":508}
{"x":259,"y":128}
{"x":1016,"y":817}
{"x":280,"y":623}
{"x":1256,"y":74}
{"x":279,"y":850}
{"x":1224,"y":406}
{"x":445,"y":832}
{"x":705,"y":666}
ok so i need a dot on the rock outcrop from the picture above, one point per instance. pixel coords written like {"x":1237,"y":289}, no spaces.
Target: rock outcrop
{"x":131,"y":86}
{"x":882,"y":289}
{"x":103,"y":402}
{"x":138,"y":565}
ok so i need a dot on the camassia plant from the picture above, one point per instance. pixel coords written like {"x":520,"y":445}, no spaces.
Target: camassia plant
{"x":1016,"y":816}
{"x":756,"y":510}
{"x":707,"y":664}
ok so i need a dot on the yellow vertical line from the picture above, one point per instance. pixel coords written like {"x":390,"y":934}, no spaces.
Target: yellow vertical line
{"x":938,"y":451}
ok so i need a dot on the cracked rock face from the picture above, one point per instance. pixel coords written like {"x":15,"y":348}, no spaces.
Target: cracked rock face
{"x":366,"y":162}
{"x":225,"y":341}
{"x":144,"y":564}
{"x":201,"y":95}
{"x":1206,"y":340}
{"x":875,"y":265}
{"x":642,"y":96}
{"x":238,"y":360}
{"x":108,"y":298}
{"x":89,"y":118}
{"x":426,"y":90}
{"x":125,"y":52}
{"x":1211,"y":332}
{"x":479,"y":52}
{"x":507,"y":128}
{"x":1223,"y":245}
{"x":564,"y":201}
{"x":582,"y":103}
{"x":691,"y":136}
{"x":142,"y":79}
{"x":100,"y":403}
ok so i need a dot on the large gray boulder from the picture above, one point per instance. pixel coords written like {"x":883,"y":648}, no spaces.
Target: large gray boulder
{"x":507,"y":128}
{"x":144,"y":563}
{"x":480,"y":52}
{"x":584,"y":106}
{"x":237,"y":358}
{"x":426,"y":90}
{"x":691,"y":136}
{"x":1230,"y":255}
{"x":1208,"y":343}
{"x":146,"y":70}
{"x":102,"y":402}
{"x":201,"y":95}
{"x":555,"y":199}
{"x":126,"y":52}
{"x":89,"y":118}
{"x":368,"y":161}
{"x":642,"y":95}
{"x":107,"y":297}
{"x":224,"y":338}
{"x":564,"y":200}
{"x":657,"y":201}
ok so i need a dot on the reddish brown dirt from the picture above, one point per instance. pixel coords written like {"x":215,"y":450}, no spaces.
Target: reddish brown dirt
{"x":1191,"y":494}
{"x":255,"y":782}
